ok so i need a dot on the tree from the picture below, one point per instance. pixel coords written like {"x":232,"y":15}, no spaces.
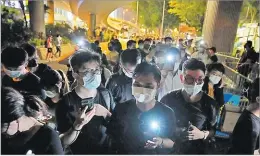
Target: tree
{"x":37,"y":22}
{"x":150,"y":14}
{"x":190,"y":12}
{"x":250,"y":12}
{"x":13,"y":30}
{"x":23,"y":9}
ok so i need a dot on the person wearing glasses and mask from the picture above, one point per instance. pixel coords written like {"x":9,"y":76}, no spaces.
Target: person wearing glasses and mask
{"x":142,"y":125}
{"x":81,"y":115}
{"x":120,"y":83}
{"x":195,"y":110}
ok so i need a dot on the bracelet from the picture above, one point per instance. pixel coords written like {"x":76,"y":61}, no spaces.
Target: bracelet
{"x":204,"y":137}
{"x":73,"y":128}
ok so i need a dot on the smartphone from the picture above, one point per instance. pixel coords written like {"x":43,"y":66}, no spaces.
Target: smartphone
{"x":88,"y":102}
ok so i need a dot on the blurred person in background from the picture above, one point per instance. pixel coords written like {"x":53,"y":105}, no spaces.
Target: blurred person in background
{"x":169,"y":62}
{"x":131,"y":44}
{"x":120,"y":83}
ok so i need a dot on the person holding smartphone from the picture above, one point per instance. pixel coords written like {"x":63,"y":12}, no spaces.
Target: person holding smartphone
{"x":142,"y":125}
{"x":81,"y":115}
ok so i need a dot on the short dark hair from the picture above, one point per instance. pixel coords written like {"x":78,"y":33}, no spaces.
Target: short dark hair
{"x":15,"y":105}
{"x":215,"y":66}
{"x":97,"y":42}
{"x":249,"y":44}
{"x":30,"y":49}
{"x":13,"y":57}
{"x":147,"y":68}
{"x":115,"y":45}
{"x":148,"y":40}
{"x":58,"y":35}
{"x":193,"y":64}
{"x":180,"y":39}
{"x":140,"y":42}
{"x":167,"y":38}
{"x":82,"y":56}
{"x":50,"y":79}
{"x":213,"y":49}
{"x":130,"y":42}
{"x":131,"y":56}
{"x":255,"y":90}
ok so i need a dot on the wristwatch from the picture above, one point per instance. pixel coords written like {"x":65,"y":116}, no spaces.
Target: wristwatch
{"x":205,"y":137}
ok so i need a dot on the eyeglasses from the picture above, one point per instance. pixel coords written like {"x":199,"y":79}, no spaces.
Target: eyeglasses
{"x":190,"y":80}
{"x":96,"y":72}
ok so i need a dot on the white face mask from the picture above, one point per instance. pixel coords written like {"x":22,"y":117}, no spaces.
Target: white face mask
{"x":193,"y":89}
{"x":214,"y":79}
{"x":92,"y":81}
{"x":143,"y":95}
{"x":130,"y":75}
{"x":50,"y":94}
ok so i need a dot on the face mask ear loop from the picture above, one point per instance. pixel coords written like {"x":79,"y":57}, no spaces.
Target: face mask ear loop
{"x":18,"y":125}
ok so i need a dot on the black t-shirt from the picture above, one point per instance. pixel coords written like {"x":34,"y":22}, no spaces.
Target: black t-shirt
{"x":121,"y":87}
{"x":92,"y":136}
{"x":30,"y":85}
{"x":44,"y":141}
{"x":214,"y":58}
{"x":201,"y":114}
{"x":128,"y":125}
{"x":245,"y":137}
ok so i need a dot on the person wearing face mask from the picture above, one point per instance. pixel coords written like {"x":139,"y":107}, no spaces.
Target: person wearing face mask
{"x":202,"y":53}
{"x":56,"y":85}
{"x":81,"y":115}
{"x":21,"y":132}
{"x":213,"y":82}
{"x":142,"y":125}
{"x":141,"y":49}
{"x":131,"y":44}
{"x":119,"y":84}
{"x":245,"y":136}
{"x":168,"y":63}
{"x":39,"y":69}
{"x":195,"y":110}
{"x":17,"y":75}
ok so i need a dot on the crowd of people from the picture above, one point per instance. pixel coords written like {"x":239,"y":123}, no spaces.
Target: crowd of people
{"x":157,"y":98}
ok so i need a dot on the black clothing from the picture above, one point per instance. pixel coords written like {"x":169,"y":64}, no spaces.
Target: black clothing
{"x":201,"y":114}
{"x":92,"y":136}
{"x":143,"y":54}
{"x":214,"y":58}
{"x":44,"y":141}
{"x":128,"y":125}
{"x":29,"y":85}
{"x":245,"y":137}
{"x":218,"y":92}
{"x":121,"y":87}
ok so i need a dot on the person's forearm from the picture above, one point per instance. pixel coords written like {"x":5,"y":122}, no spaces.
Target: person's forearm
{"x":167,"y":143}
{"x":70,"y":136}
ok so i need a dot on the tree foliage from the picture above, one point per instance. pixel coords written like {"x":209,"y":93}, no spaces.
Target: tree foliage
{"x":250,"y":12}
{"x":13,"y":28}
{"x":150,"y":14}
{"x":189,"y":11}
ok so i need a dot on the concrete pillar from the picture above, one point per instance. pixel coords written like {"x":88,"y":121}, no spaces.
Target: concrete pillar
{"x":50,"y":4}
{"x":37,"y":22}
{"x":220,"y":24}
{"x":91,"y":24}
